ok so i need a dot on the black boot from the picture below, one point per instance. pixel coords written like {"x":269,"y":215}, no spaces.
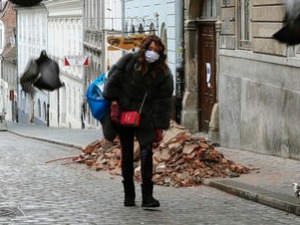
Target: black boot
{"x":147,"y":194}
{"x":129,"y":193}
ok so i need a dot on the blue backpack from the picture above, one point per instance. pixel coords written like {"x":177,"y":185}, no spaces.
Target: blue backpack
{"x":98,"y":104}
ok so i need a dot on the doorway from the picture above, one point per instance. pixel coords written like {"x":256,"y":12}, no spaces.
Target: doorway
{"x":206,"y":73}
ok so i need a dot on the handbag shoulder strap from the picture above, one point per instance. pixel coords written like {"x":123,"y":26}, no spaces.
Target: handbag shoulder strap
{"x":144,"y":98}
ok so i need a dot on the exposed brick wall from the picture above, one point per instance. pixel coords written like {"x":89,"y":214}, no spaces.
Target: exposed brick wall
{"x":9,"y":20}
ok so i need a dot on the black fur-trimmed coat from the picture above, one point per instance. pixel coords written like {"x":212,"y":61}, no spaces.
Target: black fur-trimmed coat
{"x":128,"y":87}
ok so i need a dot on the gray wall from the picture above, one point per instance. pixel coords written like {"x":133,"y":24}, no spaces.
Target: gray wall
{"x":259,"y":103}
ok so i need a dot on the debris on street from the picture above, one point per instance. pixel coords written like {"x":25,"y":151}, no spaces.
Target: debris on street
{"x":180,"y":160}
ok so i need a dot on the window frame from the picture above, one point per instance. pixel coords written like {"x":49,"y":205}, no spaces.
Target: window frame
{"x":244,"y":36}
{"x":209,"y":9}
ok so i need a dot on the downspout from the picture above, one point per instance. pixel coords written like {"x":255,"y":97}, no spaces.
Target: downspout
{"x":179,"y":5}
{"x":83,"y":104}
{"x":123,"y":16}
{"x":48,"y":95}
{"x":17,"y":75}
{"x":103,"y":51}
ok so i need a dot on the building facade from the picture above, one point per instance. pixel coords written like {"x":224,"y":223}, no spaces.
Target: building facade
{"x":65,"y":38}
{"x":258,"y":79}
{"x":240,"y":82}
{"x":8,"y":86}
{"x":201,"y":38}
{"x":102,"y":18}
{"x":164,"y":19}
{"x":31,"y":40}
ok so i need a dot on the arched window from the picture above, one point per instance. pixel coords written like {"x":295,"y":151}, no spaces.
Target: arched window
{"x":45,"y":111}
{"x":141,"y":29}
{"x":39,"y":108}
{"x":132,"y":30}
{"x":152,"y":28}
{"x":164,"y":36}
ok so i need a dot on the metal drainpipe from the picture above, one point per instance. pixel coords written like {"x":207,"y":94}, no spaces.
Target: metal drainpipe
{"x":83,"y":105}
{"x":17,"y":63}
{"x":123,"y":17}
{"x":2,"y":88}
{"x":48,"y":94}
{"x":103,"y":37}
{"x":179,"y":60}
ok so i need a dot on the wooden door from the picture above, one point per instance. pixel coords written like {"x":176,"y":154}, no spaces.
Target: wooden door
{"x":206,"y":74}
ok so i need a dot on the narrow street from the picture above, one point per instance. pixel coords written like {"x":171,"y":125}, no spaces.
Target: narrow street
{"x":36,"y":192}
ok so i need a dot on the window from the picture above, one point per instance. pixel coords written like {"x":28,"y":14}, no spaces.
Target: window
{"x":45,"y":111}
{"x":126,"y":27}
{"x":244,"y":24}
{"x":209,"y":8}
{"x":39,"y":109}
{"x":132,"y":29}
{"x":141,"y":29}
{"x":1,"y":35}
{"x":164,"y":37}
{"x":152,"y":28}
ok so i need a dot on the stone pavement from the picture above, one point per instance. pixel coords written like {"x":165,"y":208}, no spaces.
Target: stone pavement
{"x":269,"y":183}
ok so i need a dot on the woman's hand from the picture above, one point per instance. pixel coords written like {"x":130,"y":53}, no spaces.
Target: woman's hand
{"x":114,"y":112}
{"x":158,"y":135}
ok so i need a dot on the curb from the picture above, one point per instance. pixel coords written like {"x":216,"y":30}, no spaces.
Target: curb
{"x":275,"y":200}
{"x":47,"y":140}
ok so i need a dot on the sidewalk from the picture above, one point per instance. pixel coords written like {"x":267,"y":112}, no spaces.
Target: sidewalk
{"x":76,"y":138}
{"x":270,"y":183}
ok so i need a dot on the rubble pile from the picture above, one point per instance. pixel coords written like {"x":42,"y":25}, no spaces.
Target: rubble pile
{"x":180,"y":160}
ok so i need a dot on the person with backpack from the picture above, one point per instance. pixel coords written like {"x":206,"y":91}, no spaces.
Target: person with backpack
{"x":139,"y":84}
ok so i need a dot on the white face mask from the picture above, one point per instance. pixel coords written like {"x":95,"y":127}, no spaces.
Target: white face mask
{"x":151,"y":56}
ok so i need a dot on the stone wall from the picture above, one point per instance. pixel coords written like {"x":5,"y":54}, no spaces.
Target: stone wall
{"x":260,"y":103}
{"x":259,"y":94}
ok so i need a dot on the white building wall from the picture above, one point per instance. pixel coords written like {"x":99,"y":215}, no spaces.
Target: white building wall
{"x":113,"y":24}
{"x":65,"y":39}
{"x":102,"y":18}
{"x":9,"y":75}
{"x":165,"y":14}
{"x":3,"y":98}
{"x":32,"y":39}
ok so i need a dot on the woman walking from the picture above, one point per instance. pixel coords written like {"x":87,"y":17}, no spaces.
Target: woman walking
{"x":140,"y":80}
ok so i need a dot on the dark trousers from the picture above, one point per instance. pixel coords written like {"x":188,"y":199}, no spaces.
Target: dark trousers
{"x":126,"y":136}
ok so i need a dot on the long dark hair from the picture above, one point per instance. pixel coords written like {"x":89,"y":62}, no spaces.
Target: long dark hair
{"x":160,"y":63}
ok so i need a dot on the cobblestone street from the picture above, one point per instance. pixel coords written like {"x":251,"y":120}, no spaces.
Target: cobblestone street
{"x":51,"y":193}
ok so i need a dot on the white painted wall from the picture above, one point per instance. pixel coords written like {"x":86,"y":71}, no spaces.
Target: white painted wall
{"x":167,"y":19}
{"x":65,"y":29}
{"x":3,"y":98}
{"x":102,"y":18}
{"x":32,"y":39}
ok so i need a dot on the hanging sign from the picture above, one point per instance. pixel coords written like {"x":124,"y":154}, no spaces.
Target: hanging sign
{"x":76,"y":60}
{"x":124,"y":43}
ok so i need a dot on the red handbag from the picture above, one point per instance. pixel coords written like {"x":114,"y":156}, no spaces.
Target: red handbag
{"x":132,"y":118}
